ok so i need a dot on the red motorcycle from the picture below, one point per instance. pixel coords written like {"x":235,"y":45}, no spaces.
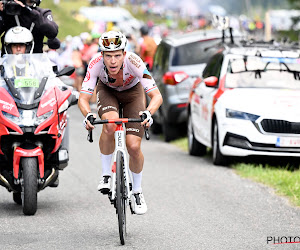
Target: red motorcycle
{"x":33,"y":126}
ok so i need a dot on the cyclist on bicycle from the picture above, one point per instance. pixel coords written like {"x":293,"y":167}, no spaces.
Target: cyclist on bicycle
{"x":123,"y":78}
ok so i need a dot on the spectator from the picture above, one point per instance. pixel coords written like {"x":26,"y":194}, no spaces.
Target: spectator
{"x":147,"y":47}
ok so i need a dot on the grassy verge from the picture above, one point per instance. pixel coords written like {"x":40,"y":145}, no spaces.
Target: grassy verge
{"x":65,"y":15}
{"x":284,"y":181}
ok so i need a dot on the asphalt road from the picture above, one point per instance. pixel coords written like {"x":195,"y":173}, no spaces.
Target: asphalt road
{"x":191,"y":205}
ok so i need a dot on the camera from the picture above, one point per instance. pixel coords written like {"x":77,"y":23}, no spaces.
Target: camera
{"x":10,"y":7}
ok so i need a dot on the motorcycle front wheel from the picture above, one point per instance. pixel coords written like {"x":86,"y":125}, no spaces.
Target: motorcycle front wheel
{"x":30,"y":185}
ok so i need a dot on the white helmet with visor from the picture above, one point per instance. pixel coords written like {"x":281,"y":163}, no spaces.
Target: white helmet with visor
{"x":112,"y":41}
{"x":18,"y":35}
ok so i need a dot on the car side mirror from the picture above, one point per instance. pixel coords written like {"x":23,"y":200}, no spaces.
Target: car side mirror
{"x":211,"y":81}
{"x":67,"y":71}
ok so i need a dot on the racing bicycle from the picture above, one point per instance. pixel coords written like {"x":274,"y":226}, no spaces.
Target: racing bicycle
{"x":121,"y":189}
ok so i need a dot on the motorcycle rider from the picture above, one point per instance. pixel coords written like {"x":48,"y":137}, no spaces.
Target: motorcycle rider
{"x":19,"y":40}
{"x":123,"y":77}
{"x":39,"y":21}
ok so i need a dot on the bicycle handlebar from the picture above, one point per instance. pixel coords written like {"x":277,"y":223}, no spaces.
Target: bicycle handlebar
{"x":116,"y":121}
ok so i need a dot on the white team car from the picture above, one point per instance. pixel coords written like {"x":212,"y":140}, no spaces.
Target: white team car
{"x":247,"y":103}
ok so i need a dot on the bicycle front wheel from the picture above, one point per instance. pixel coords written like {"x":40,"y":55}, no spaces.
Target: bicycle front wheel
{"x":121,"y":197}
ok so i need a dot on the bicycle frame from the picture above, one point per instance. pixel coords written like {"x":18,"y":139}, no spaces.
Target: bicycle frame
{"x":116,"y":194}
{"x":120,"y":143}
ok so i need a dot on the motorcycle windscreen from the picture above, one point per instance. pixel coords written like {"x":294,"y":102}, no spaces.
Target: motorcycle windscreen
{"x":25,"y":74}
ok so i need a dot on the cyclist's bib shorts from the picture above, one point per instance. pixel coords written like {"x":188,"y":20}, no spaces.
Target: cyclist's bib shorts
{"x":133,"y":101}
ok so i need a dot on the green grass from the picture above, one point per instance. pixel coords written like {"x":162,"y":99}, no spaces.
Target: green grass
{"x":181,"y":143}
{"x":65,"y":15}
{"x":282,"y":179}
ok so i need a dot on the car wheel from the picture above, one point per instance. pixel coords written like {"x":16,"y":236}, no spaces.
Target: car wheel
{"x":218,"y":158}
{"x":195,"y":148}
{"x":170,"y":131}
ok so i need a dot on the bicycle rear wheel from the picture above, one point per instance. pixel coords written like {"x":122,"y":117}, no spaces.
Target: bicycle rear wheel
{"x":121,"y":197}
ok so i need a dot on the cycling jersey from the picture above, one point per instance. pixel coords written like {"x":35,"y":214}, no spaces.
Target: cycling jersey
{"x":134,"y":71}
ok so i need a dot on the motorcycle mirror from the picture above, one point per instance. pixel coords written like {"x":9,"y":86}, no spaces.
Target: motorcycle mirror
{"x":67,"y":71}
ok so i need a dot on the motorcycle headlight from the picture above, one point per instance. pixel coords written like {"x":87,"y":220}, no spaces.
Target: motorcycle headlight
{"x":230,"y":113}
{"x":27,"y":118}
{"x":42,"y":118}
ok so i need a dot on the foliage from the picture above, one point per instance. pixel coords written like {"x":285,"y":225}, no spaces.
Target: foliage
{"x":66,"y":16}
{"x":294,"y":4}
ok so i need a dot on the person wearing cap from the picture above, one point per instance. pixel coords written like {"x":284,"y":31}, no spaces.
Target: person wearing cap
{"x":39,"y":21}
{"x":123,"y":78}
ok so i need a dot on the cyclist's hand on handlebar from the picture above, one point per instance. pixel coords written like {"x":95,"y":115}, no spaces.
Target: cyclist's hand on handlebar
{"x":88,"y":120}
{"x":148,"y":121}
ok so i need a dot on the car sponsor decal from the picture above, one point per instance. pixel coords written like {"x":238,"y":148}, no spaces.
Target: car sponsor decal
{"x":219,"y":92}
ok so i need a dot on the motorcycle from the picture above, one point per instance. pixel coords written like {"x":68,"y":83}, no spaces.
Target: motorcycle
{"x":33,"y":126}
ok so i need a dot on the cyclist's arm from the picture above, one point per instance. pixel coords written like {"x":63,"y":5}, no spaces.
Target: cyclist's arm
{"x":155,"y":102}
{"x":83,"y":103}
{"x":88,"y":86}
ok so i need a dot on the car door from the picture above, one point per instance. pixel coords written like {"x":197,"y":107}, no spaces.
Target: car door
{"x":203,"y":108}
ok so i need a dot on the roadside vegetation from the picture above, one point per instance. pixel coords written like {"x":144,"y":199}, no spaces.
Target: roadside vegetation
{"x":284,"y":179}
{"x":66,"y":16}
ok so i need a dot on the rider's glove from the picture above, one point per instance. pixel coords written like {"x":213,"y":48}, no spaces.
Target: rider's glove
{"x":148,"y":116}
{"x":88,"y":117}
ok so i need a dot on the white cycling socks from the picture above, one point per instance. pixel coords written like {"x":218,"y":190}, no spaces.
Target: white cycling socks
{"x":106,"y":164}
{"x":137,"y":182}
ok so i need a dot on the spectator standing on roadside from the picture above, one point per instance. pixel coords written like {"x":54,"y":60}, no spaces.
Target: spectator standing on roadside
{"x":39,"y":21}
{"x":87,"y":56}
{"x":147,"y":47}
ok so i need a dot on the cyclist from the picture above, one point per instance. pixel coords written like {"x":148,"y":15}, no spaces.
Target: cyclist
{"x":122,"y":77}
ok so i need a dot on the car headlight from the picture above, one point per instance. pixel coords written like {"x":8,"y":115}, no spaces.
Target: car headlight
{"x":230,"y":113}
{"x":27,"y":118}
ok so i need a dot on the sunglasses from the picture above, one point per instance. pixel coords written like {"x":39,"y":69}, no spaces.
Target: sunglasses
{"x":108,"y":41}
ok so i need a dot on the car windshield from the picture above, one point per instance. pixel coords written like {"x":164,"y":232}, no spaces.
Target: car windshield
{"x":26,"y":76}
{"x":191,"y":53}
{"x":263,"y":72}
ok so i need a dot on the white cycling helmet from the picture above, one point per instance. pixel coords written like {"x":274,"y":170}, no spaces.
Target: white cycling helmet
{"x":18,"y":34}
{"x":112,"y":41}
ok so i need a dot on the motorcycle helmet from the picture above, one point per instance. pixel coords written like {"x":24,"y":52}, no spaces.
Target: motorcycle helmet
{"x":112,"y":41}
{"x":18,"y":34}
